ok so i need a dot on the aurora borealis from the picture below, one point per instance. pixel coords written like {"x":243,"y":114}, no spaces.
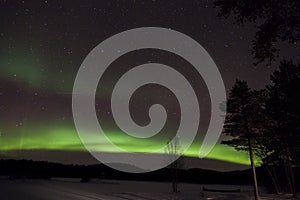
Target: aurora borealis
{"x":46,"y":138}
{"x":43,"y":43}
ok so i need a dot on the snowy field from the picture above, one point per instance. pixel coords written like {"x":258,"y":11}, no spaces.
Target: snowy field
{"x":113,"y":190}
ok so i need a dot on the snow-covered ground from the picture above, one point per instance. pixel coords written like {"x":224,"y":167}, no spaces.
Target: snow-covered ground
{"x":112,"y":190}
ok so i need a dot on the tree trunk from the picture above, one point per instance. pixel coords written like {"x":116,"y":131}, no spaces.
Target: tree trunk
{"x":175,"y":177}
{"x":288,"y":179}
{"x":256,"y":195}
{"x":292,"y":177}
{"x":274,"y":180}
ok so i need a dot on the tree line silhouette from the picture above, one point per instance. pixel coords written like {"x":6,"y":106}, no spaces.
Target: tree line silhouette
{"x":28,"y":169}
{"x":266,"y":123}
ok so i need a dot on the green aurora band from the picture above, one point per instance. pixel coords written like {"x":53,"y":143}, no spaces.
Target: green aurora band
{"x":66,"y":139}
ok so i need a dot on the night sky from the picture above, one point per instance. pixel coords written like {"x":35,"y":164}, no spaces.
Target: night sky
{"x":43,"y":43}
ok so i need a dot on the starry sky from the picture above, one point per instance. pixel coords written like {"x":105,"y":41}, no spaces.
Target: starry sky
{"x":43,"y":43}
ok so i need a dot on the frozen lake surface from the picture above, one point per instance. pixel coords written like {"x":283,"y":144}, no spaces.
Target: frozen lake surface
{"x":113,"y":190}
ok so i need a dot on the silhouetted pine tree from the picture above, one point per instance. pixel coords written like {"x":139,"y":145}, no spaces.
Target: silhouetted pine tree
{"x":242,"y":119}
{"x":282,"y":108}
